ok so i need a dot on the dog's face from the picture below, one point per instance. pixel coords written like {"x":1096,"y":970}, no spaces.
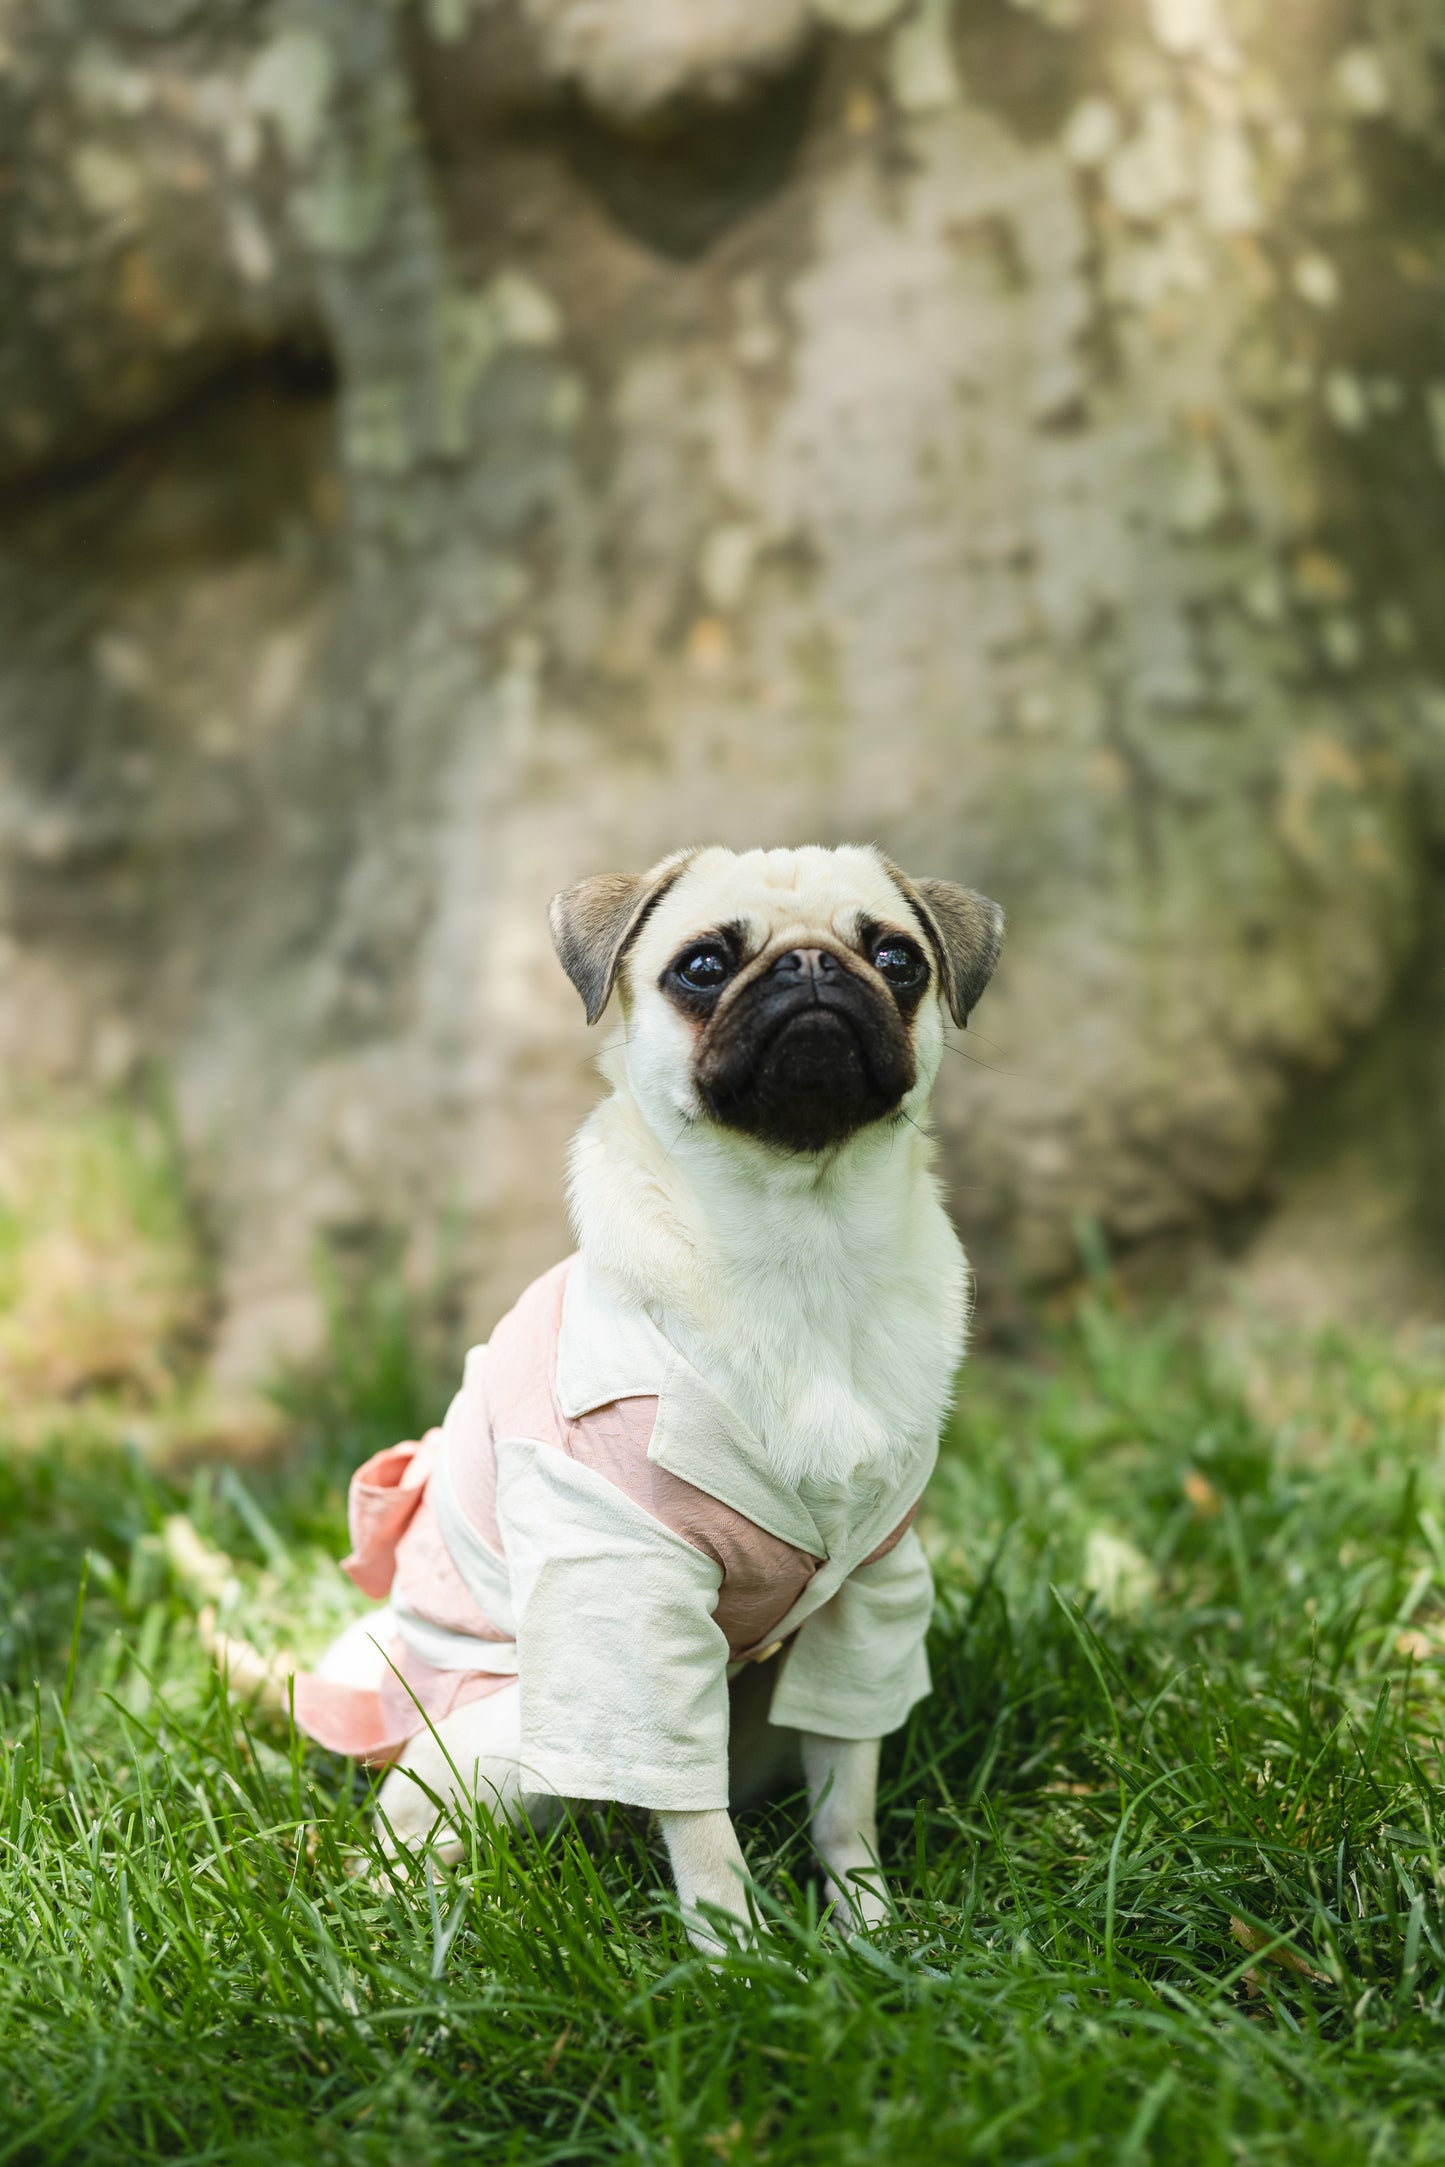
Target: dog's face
{"x":793,"y":996}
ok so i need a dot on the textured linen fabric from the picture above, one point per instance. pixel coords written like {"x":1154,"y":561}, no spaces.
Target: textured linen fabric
{"x":860,"y":1659}
{"x":594,"y":1520}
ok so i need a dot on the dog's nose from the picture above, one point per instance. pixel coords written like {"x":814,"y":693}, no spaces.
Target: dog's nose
{"x":801,"y":963}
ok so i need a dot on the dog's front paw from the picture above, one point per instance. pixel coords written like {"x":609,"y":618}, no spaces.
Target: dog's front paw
{"x":858,"y":1896}
{"x":716,"y":1937}
{"x":712,"y":1879}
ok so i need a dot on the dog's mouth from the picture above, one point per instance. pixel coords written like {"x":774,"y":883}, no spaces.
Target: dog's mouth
{"x":807,"y":1066}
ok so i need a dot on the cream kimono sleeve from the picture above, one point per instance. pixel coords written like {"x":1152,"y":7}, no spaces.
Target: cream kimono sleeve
{"x":623,"y":1669}
{"x":859,"y":1663}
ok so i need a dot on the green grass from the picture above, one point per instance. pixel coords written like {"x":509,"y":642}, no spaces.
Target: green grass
{"x":1240,"y":1724}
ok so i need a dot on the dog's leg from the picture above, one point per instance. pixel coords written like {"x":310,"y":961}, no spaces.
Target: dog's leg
{"x":842,"y":1778}
{"x":709,"y":1868}
{"x":471,"y":1760}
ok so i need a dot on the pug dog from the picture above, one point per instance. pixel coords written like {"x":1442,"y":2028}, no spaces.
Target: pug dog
{"x":661,"y":1549}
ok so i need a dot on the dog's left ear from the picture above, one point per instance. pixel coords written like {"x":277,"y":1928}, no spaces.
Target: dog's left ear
{"x":965,"y":932}
{"x":595,"y":923}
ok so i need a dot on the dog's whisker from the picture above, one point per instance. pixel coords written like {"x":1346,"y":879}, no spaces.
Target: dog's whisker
{"x":992,"y":1066}
{"x":682,"y":1131}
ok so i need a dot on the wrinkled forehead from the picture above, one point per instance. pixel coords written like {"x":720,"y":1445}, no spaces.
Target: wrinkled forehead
{"x":774,"y":895}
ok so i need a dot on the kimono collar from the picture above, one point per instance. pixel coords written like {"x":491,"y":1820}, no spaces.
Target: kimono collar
{"x":610,"y":1349}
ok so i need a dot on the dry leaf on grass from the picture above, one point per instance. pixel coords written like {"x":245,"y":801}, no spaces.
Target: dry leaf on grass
{"x":206,"y":1573}
{"x":1272,"y":1951}
{"x":1121,"y":1576}
{"x":1202,"y":1495}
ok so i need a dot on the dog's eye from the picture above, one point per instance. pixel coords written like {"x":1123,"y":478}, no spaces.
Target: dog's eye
{"x":901,"y":964}
{"x":704,"y":969}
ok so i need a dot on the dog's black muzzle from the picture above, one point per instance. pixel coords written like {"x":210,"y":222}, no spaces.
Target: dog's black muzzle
{"x":805,"y":1054}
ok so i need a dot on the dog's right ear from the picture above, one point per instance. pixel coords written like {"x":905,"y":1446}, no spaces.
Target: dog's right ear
{"x":595,"y":923}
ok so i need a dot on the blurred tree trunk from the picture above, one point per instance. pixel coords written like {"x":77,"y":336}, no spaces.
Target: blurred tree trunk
{"x":451,"y":448}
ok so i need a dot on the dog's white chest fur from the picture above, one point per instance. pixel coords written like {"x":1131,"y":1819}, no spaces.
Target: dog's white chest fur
{"x":827,"y":1305}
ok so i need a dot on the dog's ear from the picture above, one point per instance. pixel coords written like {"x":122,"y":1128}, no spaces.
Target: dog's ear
{"x":965,"y":932}
{"x":594,"y":924}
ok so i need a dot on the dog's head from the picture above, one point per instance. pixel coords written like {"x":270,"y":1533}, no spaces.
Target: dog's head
{"x":795,"y":996}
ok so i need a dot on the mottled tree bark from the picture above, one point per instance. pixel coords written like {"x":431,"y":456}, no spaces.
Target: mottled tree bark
{"x":455,"y":448}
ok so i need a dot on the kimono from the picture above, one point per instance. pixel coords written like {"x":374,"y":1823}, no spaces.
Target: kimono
{"x":595,"y":1521}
